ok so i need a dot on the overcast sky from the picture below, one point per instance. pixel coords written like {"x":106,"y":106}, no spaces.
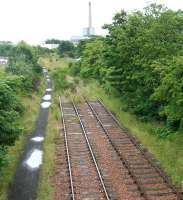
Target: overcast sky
{"x":36,"y":20}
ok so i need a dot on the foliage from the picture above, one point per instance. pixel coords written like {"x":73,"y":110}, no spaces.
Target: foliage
{"x":66,"y":48}
{"x":59,"y":78}
{"x":141,"y":59}
{"x":23,"y":62}
{"x":53,"y":41}
{"x":21,"y":77}
{"x":74,"y":68}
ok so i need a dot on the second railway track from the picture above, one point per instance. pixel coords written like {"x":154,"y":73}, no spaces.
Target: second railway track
{"x":103,"y":160}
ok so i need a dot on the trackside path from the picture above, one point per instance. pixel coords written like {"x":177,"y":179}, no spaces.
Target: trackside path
{"x":24,"y":186}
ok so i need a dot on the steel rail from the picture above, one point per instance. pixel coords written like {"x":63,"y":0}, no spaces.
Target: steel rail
{"x":67,"y":150}
{"x":92,"y":153}
{"x":124,"y":161}
{"x":157,"y":168}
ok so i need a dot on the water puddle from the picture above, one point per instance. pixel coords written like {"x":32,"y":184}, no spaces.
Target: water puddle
{"x":35,"y":159}
{"x":37,"y":139}
{"x":47,"y":97}
{"x":45,"y":104}
{"x":48,"y":90}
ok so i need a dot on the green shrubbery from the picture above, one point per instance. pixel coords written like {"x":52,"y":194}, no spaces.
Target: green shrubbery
{"x":59,"y":76}
{"x":141,"y":58}
{"x":20,"y":77}
{"x":74,"y":68}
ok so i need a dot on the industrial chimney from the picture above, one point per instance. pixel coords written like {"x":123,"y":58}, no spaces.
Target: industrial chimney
{"x":90,"y":16}
{"x":89,"y":31}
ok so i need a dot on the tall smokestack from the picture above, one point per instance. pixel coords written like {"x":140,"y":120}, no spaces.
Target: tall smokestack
{"x":89,"y":31}
{"x":90,"y":16}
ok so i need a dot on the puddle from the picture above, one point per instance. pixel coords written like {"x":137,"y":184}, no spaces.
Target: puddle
{"x":48,"y":90}
{"x":45,"y":104}
{"x":47,"y":97}
{"x":37,"y":139}
{"x":35,"y":159}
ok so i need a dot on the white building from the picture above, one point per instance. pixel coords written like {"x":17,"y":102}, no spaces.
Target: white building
{"x":88,"y":32}
{"x":49,"y":46}
{"x":75,"y":39}
{"x":3,"y":60}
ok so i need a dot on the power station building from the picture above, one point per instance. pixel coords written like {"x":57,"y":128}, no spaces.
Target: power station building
{"x":88,"y":31}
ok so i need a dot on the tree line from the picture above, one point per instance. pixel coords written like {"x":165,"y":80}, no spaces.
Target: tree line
{"x":141,"y":60}
{"x":19,"y":78}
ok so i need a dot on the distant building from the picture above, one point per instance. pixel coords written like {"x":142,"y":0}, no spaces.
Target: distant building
{"x":3,"y":60}
{"x":49,"y":46}
{"x":75,"y":39}
{"x":87,"y":32}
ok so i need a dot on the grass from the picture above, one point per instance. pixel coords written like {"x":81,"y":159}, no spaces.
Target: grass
{"x":31,"y":105}
{"x":45,"y":189}
{"x":54,"y":61}
{"x":169,"y":152}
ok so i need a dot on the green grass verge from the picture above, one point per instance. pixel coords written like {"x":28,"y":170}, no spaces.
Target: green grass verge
{"x":28,"y":119}
{"x":169,"y":152}
{"x":53,"y":62}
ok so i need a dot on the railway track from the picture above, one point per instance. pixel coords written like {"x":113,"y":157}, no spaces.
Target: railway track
{"x":105,"y":162}
{"x":151,"y":182}
{"x":86,"y":181}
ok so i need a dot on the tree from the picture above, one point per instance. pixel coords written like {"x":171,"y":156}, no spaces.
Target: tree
{"x":141,"y":58}
{"x":53,"y":41}
{"x":66,"y":48}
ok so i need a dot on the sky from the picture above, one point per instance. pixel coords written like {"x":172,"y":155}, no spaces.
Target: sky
{"x":35,"y":21}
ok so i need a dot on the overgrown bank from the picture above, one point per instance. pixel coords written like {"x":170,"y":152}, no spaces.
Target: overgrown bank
{"x":21,"y":85}
{"x":141,"y":59}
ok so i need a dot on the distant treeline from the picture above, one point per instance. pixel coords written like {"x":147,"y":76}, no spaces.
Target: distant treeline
{"x":65,"y":47}
{"x":141,"y":58}
{"x":20,"y":78}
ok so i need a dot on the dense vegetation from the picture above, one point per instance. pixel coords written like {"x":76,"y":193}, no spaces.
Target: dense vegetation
{"x":141,"y":59}
{"x":65,"y":47}
{"x":19,"y":78}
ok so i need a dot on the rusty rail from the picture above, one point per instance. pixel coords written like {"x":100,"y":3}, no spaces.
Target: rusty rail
{"x":67,"y":150}
{"x":92,"y":153}
{"x":124,"y":161}
{"x":158,"y":169}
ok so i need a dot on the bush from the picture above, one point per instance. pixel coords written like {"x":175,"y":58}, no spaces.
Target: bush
{"x":59,"y":79}
{"x":21,"y":77}
{"x":3,"y":158}
{"x":141,"y":58}
{"x":162,"y":132}
{"x":74,"y":68}
{"x":10,"y":109}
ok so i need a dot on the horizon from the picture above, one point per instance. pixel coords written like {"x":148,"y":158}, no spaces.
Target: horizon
{"x":36,"y":21}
